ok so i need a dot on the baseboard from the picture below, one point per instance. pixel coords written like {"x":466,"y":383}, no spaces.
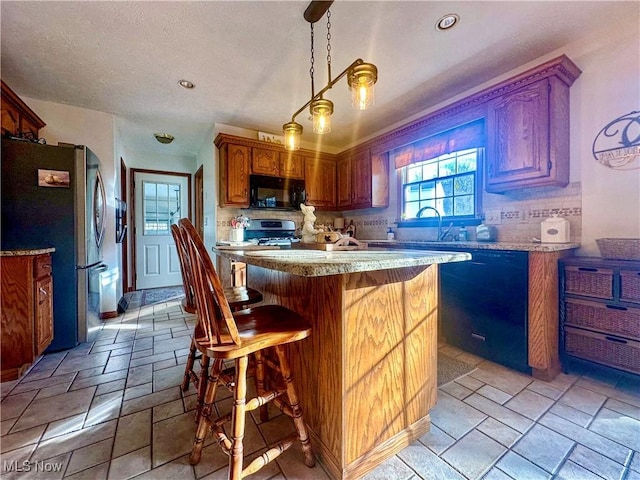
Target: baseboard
{"x":104,"y":315}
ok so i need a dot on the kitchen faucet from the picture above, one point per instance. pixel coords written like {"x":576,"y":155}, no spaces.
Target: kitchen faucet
{"x":421,"y":211}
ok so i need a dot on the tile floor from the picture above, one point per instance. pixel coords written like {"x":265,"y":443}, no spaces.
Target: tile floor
{"x":113,"y":409}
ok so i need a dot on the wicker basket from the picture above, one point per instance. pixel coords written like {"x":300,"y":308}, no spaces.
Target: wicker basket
{"x":599,"y":348}
{"x":630,"y":285}
{"x":599,"y":316}
{"x":619,"y":248}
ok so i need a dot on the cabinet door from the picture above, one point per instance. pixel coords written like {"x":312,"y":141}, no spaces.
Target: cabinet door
{"x":343,"y":181}
{"x":292,"y":165}
{"x":518,"y":138}
{"x":380,"y":180}
{"x":361,"y":179}
{"x":10,"y":119}
{"x":235,"y":176}
{"x":265,"y":162}
{"x":320,"y":182}
{"x":43,"y":314}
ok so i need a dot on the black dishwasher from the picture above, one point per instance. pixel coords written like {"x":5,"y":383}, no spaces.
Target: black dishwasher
{"x":484,"y":306}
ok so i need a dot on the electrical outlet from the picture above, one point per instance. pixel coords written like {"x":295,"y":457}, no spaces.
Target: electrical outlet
{"x":492,"y":217}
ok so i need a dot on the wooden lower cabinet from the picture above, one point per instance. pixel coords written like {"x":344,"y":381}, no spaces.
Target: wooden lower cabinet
{"x":27,"y":311}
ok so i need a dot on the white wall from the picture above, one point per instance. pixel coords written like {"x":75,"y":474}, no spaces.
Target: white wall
{"x":94,"y":129}
{"x":207,"y":157}
{"x":608,"y":88}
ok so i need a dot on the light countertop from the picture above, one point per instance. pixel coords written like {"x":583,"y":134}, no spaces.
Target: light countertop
{"x":523,"y":247}
{"x":317,"y":263}
{"x":23,"y":253}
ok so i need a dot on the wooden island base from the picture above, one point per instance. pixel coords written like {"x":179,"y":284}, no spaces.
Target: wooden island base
{"x":367,"y":375}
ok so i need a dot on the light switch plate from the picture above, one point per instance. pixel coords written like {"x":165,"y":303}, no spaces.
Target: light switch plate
{"x":492,"y":217}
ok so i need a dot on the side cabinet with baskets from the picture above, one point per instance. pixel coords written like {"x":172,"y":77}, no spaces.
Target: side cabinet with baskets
{"x":600,"y":311}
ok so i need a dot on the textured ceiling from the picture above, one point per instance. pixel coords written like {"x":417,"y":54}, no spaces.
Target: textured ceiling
{"x":250,"y":59}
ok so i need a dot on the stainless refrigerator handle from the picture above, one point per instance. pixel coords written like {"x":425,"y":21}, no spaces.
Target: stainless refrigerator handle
{"x":103,"y":266}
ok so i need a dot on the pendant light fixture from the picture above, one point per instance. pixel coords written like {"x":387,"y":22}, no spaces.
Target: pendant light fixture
{"x":361,"y":77}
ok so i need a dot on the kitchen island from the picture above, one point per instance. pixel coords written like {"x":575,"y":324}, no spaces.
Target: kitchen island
{"x":367,"y":375}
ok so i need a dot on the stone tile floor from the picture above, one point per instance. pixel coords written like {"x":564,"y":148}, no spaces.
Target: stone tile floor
{"x":113,"y":409}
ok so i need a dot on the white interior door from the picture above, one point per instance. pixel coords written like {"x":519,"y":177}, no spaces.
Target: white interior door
{"x":161,"y":200}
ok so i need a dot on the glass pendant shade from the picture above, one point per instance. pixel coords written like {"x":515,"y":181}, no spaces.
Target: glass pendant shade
{"x":361,"y":80}
{"x":292,"y":132}
{"x":321,"y":110}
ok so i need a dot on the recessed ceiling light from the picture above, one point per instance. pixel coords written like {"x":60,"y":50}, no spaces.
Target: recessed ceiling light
{"x":447,"y":21}
{"x":186,"y":84}
{"x":163,"y":137}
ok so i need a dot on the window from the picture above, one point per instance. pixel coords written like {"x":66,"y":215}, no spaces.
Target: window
{"x":443,"y":172}
{"x":161,"y":207}
{"x":447,"y":183}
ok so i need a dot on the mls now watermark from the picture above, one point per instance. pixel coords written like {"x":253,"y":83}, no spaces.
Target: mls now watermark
{"x":31,"y":466}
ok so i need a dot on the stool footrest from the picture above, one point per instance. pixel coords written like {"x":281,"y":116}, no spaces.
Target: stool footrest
{"x":218,"y":431}
{"x":263,"y":399}
{"x":271,"y":454}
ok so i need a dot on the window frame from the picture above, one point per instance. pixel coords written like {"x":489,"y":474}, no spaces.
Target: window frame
{"x":466,"y":220}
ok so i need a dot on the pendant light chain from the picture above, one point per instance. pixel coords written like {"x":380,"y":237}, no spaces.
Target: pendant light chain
{"x":360,"y":78}
{"x":329,"y":43}
{"x":312,"y":69}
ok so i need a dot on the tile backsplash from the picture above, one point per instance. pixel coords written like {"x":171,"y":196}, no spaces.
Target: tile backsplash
{"x":521,"y":213}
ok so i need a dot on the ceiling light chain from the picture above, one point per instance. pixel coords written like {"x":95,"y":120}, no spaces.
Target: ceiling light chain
{"x":361,"y":78}
{"x":312,"y":69}
{"x":329,"y":44}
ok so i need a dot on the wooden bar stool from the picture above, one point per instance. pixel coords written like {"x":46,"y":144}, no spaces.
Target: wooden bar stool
{"x":223,"y":335}
{"x":238,"y":298}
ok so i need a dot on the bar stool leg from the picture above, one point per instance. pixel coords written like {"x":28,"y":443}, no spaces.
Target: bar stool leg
{"x":205,"y":413}
{"x":189,"y":367}
{"x":202,"y":385}
{"x":296,"y":409}
{"x":261,"y":385}
{"x":238,"y":419}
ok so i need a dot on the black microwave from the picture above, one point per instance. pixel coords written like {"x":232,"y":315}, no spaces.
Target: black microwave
{"x":276,"y":192}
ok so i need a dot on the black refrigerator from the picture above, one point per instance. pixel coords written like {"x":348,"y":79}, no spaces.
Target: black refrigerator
{"x":53,"y":196}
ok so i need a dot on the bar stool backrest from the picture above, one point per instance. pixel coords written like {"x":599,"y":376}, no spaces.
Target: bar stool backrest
{"x":215,"y":319}
{"x":185,"y":266}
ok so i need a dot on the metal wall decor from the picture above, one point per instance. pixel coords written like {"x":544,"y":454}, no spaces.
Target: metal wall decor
{"x":617,"y":145}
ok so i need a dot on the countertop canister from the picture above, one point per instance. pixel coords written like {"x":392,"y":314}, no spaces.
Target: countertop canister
{"x":555,"y":230}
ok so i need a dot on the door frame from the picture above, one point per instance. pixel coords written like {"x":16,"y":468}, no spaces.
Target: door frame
{"x":134,"y":209}
{"x":124,"y":246}
{"x":198,"y":213}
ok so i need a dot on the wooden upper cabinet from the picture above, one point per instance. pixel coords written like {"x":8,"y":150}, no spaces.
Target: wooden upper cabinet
{"x":527,"y":130}
{"x":265,"y":162}
{"x":234,"y":175}
{"x":363,"y":180}
{"x":17,"y":118}
{"x":276,"y":164}
{"x":320,"y":182}
{"x":380,"y":180}
{"x":291,"y":165}
{"x":343,"y":182}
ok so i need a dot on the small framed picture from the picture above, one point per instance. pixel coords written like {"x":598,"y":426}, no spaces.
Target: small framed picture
{"x":53,"y":178}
